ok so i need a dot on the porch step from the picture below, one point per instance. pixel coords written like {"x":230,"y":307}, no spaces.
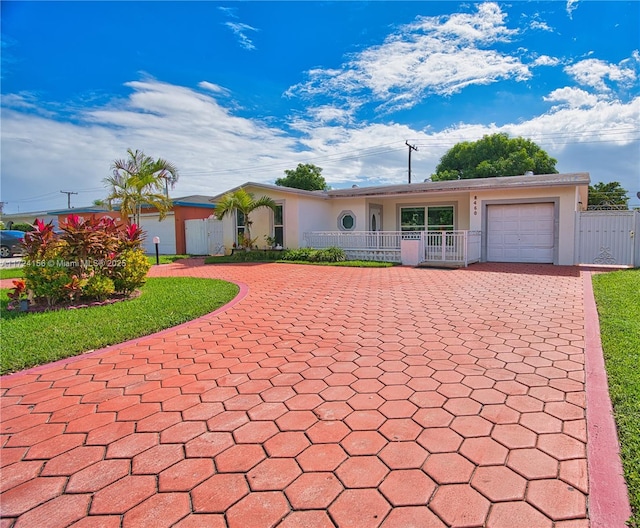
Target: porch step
{"x":440,"y":264}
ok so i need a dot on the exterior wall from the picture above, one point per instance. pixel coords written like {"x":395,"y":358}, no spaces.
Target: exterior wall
{"x":566,"y":199}
{"x":182,"y":213}
{"x":300,"y":214}
{"x":357,"y":206}
{"x":391,"y":208}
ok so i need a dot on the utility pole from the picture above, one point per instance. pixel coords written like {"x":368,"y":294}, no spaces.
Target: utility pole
{"x":68,"y":193}
{"x":411,"y":147}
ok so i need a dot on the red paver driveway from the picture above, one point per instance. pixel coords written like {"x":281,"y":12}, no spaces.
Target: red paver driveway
{"x":323,"y":397}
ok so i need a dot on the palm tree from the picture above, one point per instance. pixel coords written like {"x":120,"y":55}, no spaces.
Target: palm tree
{"x":140,"y":180}
{"x":245,"y":203}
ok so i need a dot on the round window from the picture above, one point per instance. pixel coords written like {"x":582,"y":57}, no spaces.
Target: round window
{"x":346,"y":221}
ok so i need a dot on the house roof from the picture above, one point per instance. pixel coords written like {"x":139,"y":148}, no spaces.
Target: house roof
{"x":505,"y":182}
{"x":193,"y":200}
{"x":270,"y":187}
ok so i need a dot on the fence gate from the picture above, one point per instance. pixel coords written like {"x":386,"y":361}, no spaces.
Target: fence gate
{"x":204,"y":237}
{"x":608,"y":237}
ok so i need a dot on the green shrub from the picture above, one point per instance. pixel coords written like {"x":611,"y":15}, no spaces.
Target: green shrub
{"x":98,"y":287}
{"x":130,"y":271}
{"x":331,"y":254}
{"x":92,"y":258}
{"x":300,"y":254}
{"x":21,"y":226}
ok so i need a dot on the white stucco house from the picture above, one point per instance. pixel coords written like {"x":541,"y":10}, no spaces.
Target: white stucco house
{"x":527,"y":218}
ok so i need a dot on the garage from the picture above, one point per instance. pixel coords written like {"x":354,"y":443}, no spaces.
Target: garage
{"x":521,"y":232}
{"x":166,"y":230}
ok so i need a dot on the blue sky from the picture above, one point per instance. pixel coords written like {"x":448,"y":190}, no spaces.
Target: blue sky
{"x":240,"y":91}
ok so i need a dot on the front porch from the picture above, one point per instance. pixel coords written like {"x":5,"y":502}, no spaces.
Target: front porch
{"x":413,"y":248}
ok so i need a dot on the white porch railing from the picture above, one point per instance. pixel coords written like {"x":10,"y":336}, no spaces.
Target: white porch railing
{"x":457,"y":247}
{"x":359,"y":245}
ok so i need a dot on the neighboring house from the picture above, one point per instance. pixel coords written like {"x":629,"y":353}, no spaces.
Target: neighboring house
{"x":27,"y":218}
{"x":527,"y":218}
{"x":170,"y":230}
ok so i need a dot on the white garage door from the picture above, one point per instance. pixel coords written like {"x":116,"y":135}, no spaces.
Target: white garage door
{"x":520,"y":232}
{"x":166,"y":230}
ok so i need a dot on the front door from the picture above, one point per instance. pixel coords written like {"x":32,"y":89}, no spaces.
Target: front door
{"x":375,"y":217}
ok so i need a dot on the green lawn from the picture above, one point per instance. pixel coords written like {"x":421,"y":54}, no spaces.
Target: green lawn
{"x":618,"y":298}
{"x":10,"y":273}
{"x":30,"y":339}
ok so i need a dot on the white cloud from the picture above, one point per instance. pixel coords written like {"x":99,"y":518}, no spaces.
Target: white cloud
{"x":595,"y":73}
{"x":240,"y":30}
{"x":215,"y":149}
{"x":572,"y":97}
{"x":432,"y":55}
{"x":545,"y":60}
{"x":572,"y":5}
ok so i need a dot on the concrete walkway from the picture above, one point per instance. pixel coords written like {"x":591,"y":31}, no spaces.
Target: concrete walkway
{"x":320,"y":397}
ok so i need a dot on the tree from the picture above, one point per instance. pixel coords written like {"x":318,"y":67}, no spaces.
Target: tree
{"x":305,"y":176}
{"x":493,"y":156}
{"x":244,"y":203}
{"x":140,"y":180}
{"x":608,"y":195}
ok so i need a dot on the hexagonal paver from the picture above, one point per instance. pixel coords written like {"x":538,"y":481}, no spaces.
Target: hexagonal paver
{"x":400,"y":430}
{"x":296,"y":421}
{"x":471,"y":426}
{"x":313,"y":491}
{"x":541,"y":422}
{"x":239,"y":458}
{"x":462,"y":406}
{"x":363,"y":443}
{"x":533,"y":463}
{"x":407,"y":487}
{"x":185,"y":475}
{"x":315,"y":519}
{"x":448,"y":468}
{"x":460,"y":505}
{"x":398,"y":409}
{"x":433,"y":417}
{"x":364,"y":420}
{"x":403,"y":455}
{"x":359,"y":508}
{"x":440,"y":440}
{"x":273,"y":474}
{"x":516,"y":515}
{"x":500,"y":414}
{"x":557,"y":499}
{"x":499,"y":483}
{"x":258,"y":509}
{"x":362,"y":472}
{"x":514,"y":436}
{"x":365,"y":401}
{"x":484,"y":451}
{"x":287,"y":444}
{"x":321,"y":457}
{"x":564,"y":410}
{"x":524,"y":404}
{"x":561,"y":446}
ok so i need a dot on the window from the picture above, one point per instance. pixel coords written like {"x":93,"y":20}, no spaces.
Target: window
{"x":278,"y":225}
{"x":239,"y":226}
{"x":346,"y":221}
{"x":412,"y":219}
{"x":440,"y":218}
{"x":433,"y":218}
